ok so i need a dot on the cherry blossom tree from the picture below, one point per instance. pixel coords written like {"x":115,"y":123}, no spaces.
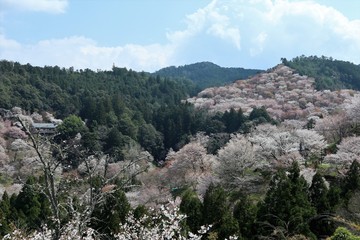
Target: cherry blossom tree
{"x":281,"y":146}
{"x":273,"y":146}
{"x":311,"y":144}
{"x":236,"y":159}
{"x":333,"y":128}
{"x":348,"y":151}
{"x":166,"y":222}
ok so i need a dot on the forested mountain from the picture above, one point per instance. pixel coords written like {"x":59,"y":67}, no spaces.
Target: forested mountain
{"x":66,"y":91}
{"x":124,"y":101}
{"x":207,"y":74}
{"x":118,"y":105}
{"x":135,"y":156}
{"x":329,"y":73}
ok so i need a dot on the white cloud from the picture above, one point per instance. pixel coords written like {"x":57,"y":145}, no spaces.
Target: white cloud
{"x":269,"y":30}
{"x":81,"y":52}
{"x":259,"y":43}
{"x":210,"y":21}
{"x":322,"y":16}
{"x":8,"y":44}
{"x":272,"y":29}
{"x":51,"y":6}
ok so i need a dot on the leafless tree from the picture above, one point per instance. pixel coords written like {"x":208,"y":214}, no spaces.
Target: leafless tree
{"x":95,"y":166}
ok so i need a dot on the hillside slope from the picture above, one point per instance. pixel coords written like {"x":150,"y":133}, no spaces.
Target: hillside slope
{"x":65,"y":91}
{"x":284,"y":93}
{"x":329,"y":73}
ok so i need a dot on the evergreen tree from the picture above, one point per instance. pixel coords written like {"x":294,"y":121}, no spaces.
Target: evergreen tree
{"x":114,"y":143}
{"x":151,"y":140}
{"x":352,"y":178}
{"x":334,"y":196}
{"x":259,"y":115}
{"x":233,"y":120}
{"x":5,"y":210}
{"x":245,"y":214}
{"x":318,"y":193}
{"x":228,"y":226}
{"x":31,"y":205}
{"x":286,"y":207}
{"x":108,"y":215}
{"x":216,"y":212}
{"x":192,"y":207}
{"x":215,"y":204}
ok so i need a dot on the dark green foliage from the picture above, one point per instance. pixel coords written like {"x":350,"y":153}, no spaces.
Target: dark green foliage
{"x":140,"y":211}
{"x":176,"y":122}
{"x":151,"y":140}
{"x":325,"y":201}
{"x":32,"y":208}
{"x":114,"y":143}
{"x":5,"y":214}
{"x":71,"y":126}
{"x":352,"y":180}
{"x":228,"y":226}
{"x":120,"y":98}
{"x":334,"y":197}
{"x":90,"y":141}
{"x":286,"y":205}
{"x":318,"y":193}
{"x":192,"y":207}
{"x":217,"y":141}
{"x":310,"y":124}
{"x":215,"y":204}
{"x":233,"y":120}
{"x":109,"y":214}
{"x":260,"y":115}
{"x":236,"y":121}
{"x":245,"y":214}
{"x":216,"y":211}
{"x":342,"y":233}
{"x":328,"y":73}
{"x":127,"y":126}
{"x":207,"y":74}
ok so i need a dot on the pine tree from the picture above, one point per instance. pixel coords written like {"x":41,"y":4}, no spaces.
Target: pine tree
{"x":192,"y":207}
{"x":334,"y":196}
{"x":5,"y":210}
{"x":108,"y":215}
{"x":228,"y":226}
{"x":286,"y":207}
{"x":215,"y":204}
{"x":245,"y":214}
{"x":28,"y":204}
{"x":352,"y":178}
{"x":216,"y":212}
{"x":318,"y":193}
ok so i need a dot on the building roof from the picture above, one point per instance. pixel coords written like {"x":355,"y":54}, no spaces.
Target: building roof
{"x":44,"y":125}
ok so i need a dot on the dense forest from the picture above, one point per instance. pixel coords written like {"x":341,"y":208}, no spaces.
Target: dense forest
{"x":129,"y":105}
{"x":329,"y":73}
{"x":130,"y":158}
{"x":207,"y":74}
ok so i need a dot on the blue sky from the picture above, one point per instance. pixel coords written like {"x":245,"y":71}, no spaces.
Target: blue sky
{"x":151,"y":34}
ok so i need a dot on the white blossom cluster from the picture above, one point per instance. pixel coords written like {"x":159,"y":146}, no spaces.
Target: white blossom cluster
{"x":164,"y":223}
{"x":71,"y":231}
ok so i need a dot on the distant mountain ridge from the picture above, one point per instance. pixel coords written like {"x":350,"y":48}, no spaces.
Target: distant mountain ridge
{"x":207,"y":74}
